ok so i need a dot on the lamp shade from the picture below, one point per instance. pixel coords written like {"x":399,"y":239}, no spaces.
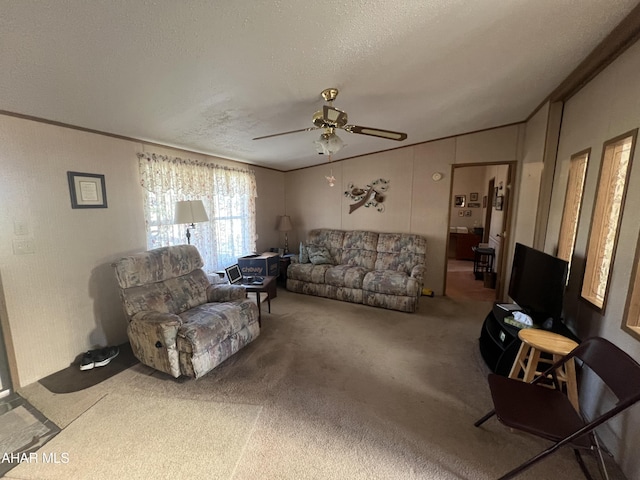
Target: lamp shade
{"x":190,"y":211}
{"x":284,"y":224}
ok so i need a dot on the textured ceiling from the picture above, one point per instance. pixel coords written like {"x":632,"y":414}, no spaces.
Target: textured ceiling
{"x":209,"y":76}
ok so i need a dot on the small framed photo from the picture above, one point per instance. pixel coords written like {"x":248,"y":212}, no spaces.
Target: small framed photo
{"x":473,"y":197}
{"x":460,"y":201}
{"x":499,"y":202}
{"x":474,"y":205}
{"x":461,"y":213}
{"x":87,"y":190}
{"x":281,"y":252}
{"x":467,"y":213}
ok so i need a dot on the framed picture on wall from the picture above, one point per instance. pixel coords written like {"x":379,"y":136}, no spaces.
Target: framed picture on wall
{"x":484,"y":202}
{"x":460,"y":200}
{"x":467,"y":213}
{"x":87,"y":190}
{"x":461,"y":213}
{"x":474,"y":205}
{"x":499,"y":201}
{"x":473,"y":197}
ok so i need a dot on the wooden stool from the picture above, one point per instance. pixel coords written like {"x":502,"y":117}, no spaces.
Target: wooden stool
{"x":536,"y":341}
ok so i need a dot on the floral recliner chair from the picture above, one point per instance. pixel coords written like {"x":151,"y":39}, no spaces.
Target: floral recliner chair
{"x":178,"y":322}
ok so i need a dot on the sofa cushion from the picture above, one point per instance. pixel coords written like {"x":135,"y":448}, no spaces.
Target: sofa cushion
{"x":359,"y":249}
{"x":390,"y":282}
{"x":330,"y":239}
{"x":171,"y":296}
{"x":207,"y":325}
{"x":304,"y":253}
{"x":307,"y":272}
{"x":400,"y":252}
{"x":319,"y":255}
{"x":157,"y":265}
{"x":345,"y":276}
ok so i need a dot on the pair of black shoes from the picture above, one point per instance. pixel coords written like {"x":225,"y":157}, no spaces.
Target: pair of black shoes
{"x":98,"y":358}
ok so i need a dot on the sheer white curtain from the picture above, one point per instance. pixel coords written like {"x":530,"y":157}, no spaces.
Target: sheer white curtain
{"x":228,"y":195}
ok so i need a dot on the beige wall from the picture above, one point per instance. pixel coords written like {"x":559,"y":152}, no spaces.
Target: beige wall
{"x":415,"y":203}
{"x":62,"y":299}
{"x":606,"y":107}
{"x":269,"y":206}
{"x":529,"y":175}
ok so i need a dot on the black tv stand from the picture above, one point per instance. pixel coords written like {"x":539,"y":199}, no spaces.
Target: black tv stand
{"x":499,"y":342}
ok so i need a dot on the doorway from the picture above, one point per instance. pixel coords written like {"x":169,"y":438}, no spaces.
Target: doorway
{"x":479,"y":207}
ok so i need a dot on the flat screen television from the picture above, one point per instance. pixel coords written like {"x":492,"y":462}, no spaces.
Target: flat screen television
{"x":537,"y":283}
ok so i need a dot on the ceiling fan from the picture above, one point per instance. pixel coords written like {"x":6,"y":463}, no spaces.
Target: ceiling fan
{"x":330,"y":119}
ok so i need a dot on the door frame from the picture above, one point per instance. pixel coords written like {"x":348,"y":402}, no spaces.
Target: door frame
{"x":8,"y":365}
{"x":509,"y":196}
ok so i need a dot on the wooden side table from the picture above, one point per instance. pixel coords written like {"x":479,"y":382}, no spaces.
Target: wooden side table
{"x":284,"y":263}
{"x":269,"y":287}
{"x":482,"y":261}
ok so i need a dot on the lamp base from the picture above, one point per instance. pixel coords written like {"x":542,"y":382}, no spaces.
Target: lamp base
{"x":189,"y":233}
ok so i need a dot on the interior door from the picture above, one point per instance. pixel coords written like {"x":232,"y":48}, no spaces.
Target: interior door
{"x":501,"y":257}
{"x":502,"y":211}
{"x":489,"y":210}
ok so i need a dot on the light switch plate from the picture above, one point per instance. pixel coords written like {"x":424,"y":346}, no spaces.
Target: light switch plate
{"x":23,"y":246}
{"x":20,"y":227}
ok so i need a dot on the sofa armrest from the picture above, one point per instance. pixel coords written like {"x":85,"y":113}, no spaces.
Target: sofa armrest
{"x":153,"y":340}
{"x":225,"y":293}
{"x":164,"y":319}
{"x":418,"y":272}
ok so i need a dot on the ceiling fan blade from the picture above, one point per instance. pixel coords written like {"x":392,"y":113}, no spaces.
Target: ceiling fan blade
{"x":334,"y":116}
{"x":286,"y":133}
{"x":376,"y":132}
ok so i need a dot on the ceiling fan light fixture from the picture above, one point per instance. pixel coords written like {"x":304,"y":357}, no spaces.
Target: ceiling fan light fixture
{"x":329,"y":144}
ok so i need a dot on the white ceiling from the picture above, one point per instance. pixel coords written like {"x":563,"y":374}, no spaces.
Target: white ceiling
{"x":209,"y":76}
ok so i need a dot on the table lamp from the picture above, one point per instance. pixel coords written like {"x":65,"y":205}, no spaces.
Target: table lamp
{"x":190,"y":212}
{"x":284,"y":225}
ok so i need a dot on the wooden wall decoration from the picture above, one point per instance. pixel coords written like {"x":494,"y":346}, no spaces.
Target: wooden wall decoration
{"x":372,"y":195}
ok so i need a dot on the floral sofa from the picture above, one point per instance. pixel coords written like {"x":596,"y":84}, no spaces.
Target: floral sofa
{"x":178,"y":322}
{"x":378,"y":269}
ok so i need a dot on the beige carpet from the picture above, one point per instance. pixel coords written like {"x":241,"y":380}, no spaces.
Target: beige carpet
{"x":330,"y":390}
{"x":130,"y":436}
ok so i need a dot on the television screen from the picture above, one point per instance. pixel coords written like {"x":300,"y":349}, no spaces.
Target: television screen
{"x":537,"y":283}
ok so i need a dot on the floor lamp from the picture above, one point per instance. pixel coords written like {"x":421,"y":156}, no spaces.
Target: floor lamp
{"x":284,"y":225}
{"x":190,"y":212}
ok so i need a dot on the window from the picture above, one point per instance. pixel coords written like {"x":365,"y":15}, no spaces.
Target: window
{"x":614,"y":171}
{"x":631,"y":320}
{"x":228,"y":195}
{"x":572,"y":204}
